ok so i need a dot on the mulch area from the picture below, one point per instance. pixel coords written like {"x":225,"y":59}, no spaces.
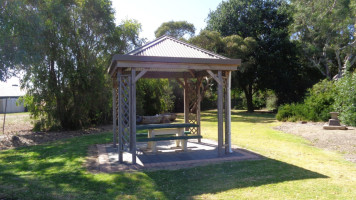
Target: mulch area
{"x":342,"y":141}
{"x":28,"y":138}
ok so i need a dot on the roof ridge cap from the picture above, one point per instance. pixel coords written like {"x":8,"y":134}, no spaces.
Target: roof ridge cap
{"x":198,"y":48}
{"x":165,"y":37}
{"x":148,"y":45}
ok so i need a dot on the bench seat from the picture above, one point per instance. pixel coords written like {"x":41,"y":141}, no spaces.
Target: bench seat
{"x":155,"y":139}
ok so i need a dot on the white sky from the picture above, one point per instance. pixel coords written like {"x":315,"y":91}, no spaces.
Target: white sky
{"x":152,"y":13}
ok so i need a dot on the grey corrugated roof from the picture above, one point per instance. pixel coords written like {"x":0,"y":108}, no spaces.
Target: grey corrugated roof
{"x":167,"y":46}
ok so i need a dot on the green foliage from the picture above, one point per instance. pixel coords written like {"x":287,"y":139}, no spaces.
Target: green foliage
{"x":292,"y":112}
{"x":233,"y":46}
{"x":316,"y":106}
{"x":258,"y":32}
{"x":320,"y":100}
{"x":154,"y":96}
{"x":326,"y":30}
{"x":345,"y":99}
{"x":64,"y":48}
{"x":271,"y":100}
{"x":209,"y":40}
{"x":325,"y":97}
{"x":176,"y":29}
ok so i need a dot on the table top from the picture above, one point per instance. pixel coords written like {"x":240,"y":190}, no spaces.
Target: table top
{"x":158,"y":126}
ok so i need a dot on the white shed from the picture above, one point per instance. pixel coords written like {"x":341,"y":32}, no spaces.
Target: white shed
{"x":10,"y":92}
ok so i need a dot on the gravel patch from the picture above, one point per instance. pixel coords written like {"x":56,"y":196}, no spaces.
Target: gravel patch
{"x":343,"y":141}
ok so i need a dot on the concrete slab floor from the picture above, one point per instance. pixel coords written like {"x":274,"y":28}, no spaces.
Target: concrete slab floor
{"x":168,"y":156}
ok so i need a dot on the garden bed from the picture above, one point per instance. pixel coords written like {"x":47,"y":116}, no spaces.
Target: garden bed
{"x":18,"y":132}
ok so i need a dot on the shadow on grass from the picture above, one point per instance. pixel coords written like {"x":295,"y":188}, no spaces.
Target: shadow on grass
{"x":55,"y":171}
{"x":223,"y":177}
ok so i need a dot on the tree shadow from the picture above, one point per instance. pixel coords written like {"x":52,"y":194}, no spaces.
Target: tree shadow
{"x":56,"y":171}
{"x":223,"y":177}
{"x":240,"y":116}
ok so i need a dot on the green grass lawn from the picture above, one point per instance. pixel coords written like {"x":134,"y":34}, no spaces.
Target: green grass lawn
{"x":292,"y":170}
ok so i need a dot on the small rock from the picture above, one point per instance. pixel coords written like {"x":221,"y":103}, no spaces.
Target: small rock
{"x":16,"y":141}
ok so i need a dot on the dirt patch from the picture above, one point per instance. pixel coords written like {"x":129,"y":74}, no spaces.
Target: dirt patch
{"x":15,"y":122}
{"x":91,"y":162}
{"x":343,"y":141}
{"x":18,"y":132}
{"x":28,"y":137}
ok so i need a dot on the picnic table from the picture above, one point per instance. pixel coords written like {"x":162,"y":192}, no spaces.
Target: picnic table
{"x":177,"y":130}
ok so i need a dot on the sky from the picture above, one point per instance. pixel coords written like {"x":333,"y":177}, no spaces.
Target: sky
{"x":152,"y":13}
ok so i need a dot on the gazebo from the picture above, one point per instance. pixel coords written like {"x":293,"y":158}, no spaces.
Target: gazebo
{"x":167,"y":57}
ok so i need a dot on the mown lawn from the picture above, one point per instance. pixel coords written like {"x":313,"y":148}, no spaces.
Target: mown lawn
{"x":292,"y":170}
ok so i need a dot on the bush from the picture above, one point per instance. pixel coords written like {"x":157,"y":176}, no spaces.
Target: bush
{"x":320,"y":100}
{"x":316,"y":106}
{"x":292,"y":112}
{"x":345,"y":99}
{"x":271,"y":100}
{"x":154,"y":96}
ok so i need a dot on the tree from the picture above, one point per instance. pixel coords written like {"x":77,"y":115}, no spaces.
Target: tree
{"x":245,"y":77}
{"x":345,"y":98}
{"x":234,"y":46}
{"x":326,"y":30}
{"x":154,"y":96}
{"x":64,"y":48}
{"x":275,"y":63}
{"x":209,"y":40}
{"x":177,"y":29}
{"x":11,"y":41}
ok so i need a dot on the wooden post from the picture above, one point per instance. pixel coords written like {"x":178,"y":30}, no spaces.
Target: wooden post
{"x":119,"y":119}
{"x":220,"y":116}
{"x":186,"y":101}
{"x":114,"y":114}
{"x":228,"y":113}
{"x":133,"y":115}
{"x":199,"y":80}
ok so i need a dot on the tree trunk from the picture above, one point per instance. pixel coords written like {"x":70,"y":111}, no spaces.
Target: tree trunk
{"x":248,"y":95}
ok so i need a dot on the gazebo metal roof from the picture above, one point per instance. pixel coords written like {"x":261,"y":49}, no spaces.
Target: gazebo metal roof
{"x":167,"y":46}
{"x":172,"y":55}
{"x":167,"y":57}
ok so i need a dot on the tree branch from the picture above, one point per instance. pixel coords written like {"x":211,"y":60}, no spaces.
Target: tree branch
{"x":353,"y":61}
{"x":332,"y":7}
{"x":337,"y":52}
{"x":317,"y":65}
{"x":351,"y":44}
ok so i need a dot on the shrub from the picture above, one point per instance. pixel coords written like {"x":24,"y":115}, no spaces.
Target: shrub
{"x":316,"y":106}
{"x":154,"y":96}
{"x":271,"y":101}
{"x":292,"y":112}
{"x":345,"y":100}
{"x":320,"y":100}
